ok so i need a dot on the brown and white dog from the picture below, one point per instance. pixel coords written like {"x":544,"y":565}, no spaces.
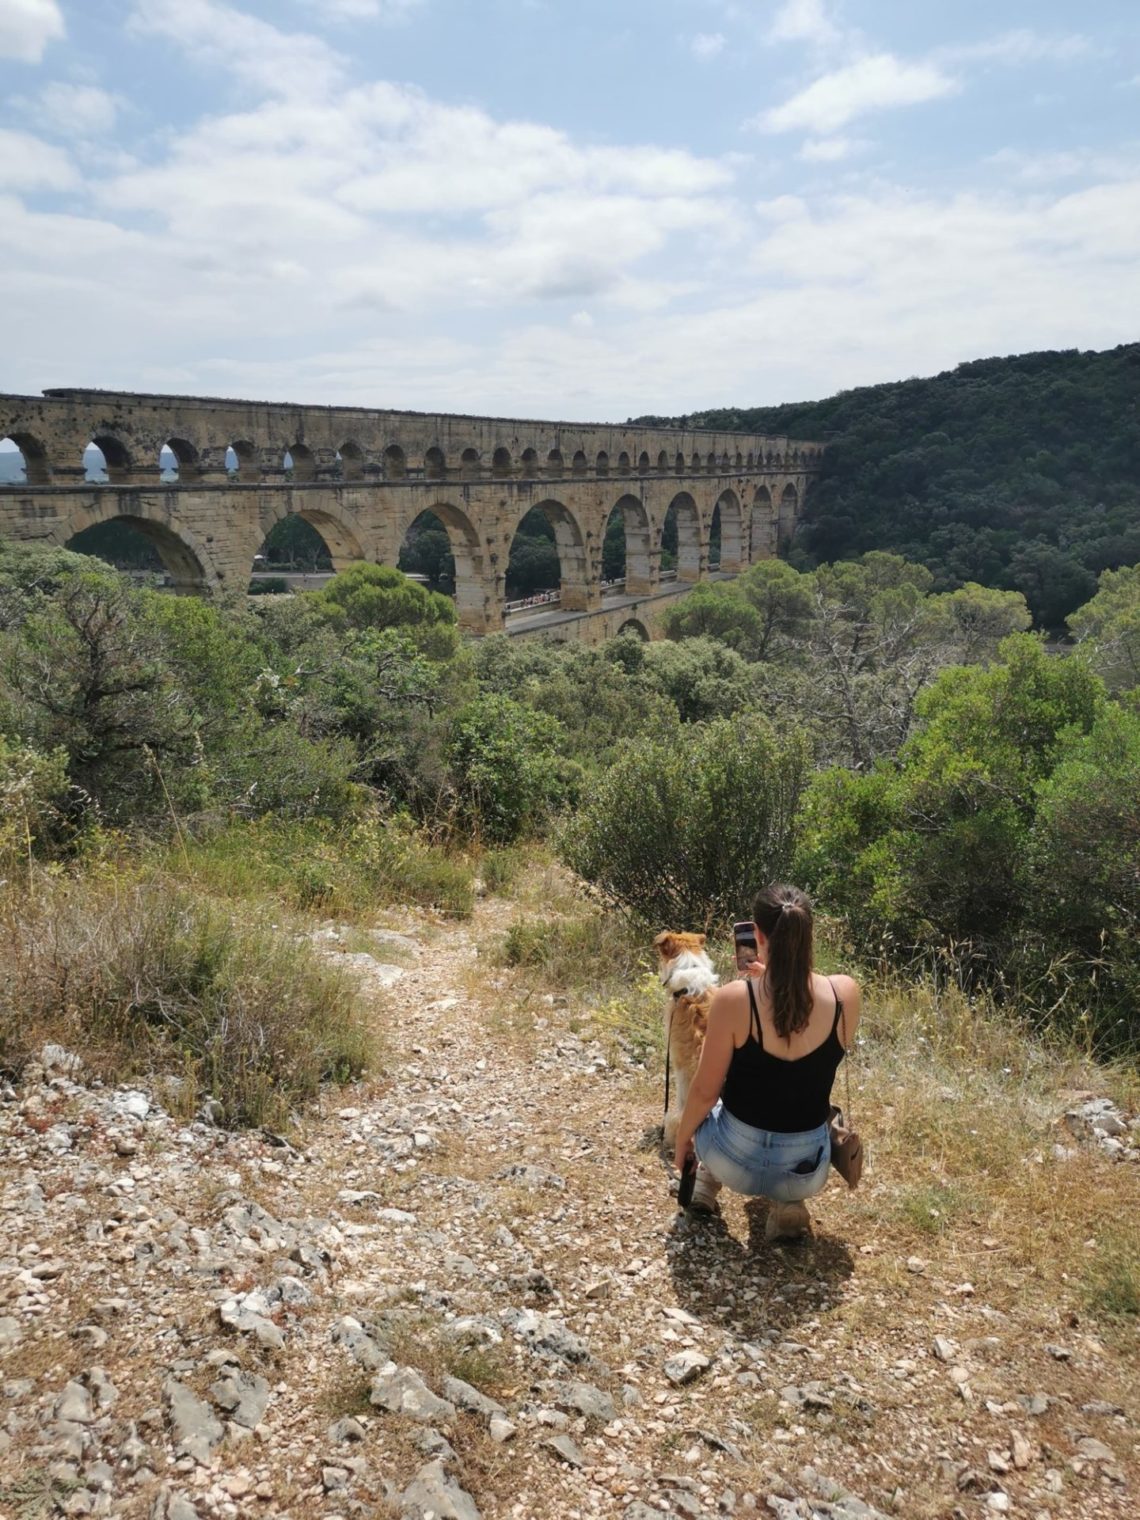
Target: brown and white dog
{"x":687,"y":975}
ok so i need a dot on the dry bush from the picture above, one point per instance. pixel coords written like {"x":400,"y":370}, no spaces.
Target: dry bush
{"x":145,"y":977}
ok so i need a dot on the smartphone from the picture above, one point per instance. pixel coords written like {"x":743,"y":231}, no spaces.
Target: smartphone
{"x":744,"y":938}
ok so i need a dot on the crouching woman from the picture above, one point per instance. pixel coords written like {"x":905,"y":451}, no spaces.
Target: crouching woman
{"x":756,"y":1114}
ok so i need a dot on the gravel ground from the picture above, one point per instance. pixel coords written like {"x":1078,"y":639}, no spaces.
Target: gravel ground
{"x":466,"y":1290}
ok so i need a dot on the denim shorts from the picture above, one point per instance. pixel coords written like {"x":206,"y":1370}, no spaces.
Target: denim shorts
{"x":762,"y":1163}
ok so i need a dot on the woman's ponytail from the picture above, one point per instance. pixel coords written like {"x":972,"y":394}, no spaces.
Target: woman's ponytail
{"x":784,"y":914}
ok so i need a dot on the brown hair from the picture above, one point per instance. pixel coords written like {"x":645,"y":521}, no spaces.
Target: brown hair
{"x":784,"y":914}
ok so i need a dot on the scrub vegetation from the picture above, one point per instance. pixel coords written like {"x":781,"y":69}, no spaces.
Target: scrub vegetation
{"x":185,"y":786}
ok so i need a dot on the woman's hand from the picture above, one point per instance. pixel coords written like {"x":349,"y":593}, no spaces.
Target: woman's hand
{"x":756,"y":968}
{"x":683,"y":1152}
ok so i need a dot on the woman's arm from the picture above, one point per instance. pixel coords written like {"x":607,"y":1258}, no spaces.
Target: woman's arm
{"x":716,"y":1057}
{"x":847,"y":988}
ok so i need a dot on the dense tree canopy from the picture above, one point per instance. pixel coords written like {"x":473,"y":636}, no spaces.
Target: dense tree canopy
{"x":1021,"y":472}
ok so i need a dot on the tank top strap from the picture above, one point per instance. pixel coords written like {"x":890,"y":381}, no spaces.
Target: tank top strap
{"x":754,"y":1015}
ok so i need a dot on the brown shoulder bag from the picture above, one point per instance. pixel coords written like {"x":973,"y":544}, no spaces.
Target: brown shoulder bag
{"x":846,"y":1147}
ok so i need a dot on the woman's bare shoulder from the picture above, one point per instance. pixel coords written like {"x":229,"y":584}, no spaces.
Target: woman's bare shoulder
{"x":846,"y":987}
{"x":730,"y":996}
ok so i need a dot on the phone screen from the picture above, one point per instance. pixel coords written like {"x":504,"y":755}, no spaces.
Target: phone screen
{"x":744,"y":936}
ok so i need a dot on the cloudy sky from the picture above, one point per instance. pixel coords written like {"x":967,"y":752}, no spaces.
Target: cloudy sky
{"x":574,"y":208}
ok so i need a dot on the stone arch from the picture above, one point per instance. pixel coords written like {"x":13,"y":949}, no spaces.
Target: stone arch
{"x":695,"y":463}
{"x":578,"y":463}
{"x":749,"y":462}
{"x":474,"y":606}
{"x":710,"y":463}
{"x":634,"y":626}
{"x":679,"y":463}
{"x":643,"y":463}
{"x":470,"y":465}
{"x":789,"y":509}
{"x":435,"y":465}
{"x":36,"y":468}
{"x":344,"y":537}
{"x":502,"y":463}
{"x":554,"y":462}
{"x":732,"y":546}
{"x":639,"y":555}
{"x":690,"y":543}
{"x":182,"y":557}
{"x":739,"y":461}
{"x":623,"y":464}
{"x":116,"y":464}
{"x":242,"y":460}
{"x":185,"y":460}
{"x":763,"y":525}
{"x":528,"y":464}
{"x":351,"y":460}
{"x":291,"y":547}
{"x":663,"y":462}
{"x":301,"y":461}
{"x":602,"y":463}
{"x":395,"y":463}
{"x":570,"y":542}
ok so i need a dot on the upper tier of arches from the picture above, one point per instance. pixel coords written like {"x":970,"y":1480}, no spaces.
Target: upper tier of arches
{"x":102,"y":454}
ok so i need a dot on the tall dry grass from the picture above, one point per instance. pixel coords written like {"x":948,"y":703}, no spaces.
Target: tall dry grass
{"x":147,"y":976}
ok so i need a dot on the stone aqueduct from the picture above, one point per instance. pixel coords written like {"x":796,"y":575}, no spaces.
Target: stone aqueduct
{"x":362,"y":477}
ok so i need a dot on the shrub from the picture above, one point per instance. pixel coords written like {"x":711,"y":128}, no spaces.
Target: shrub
{"x":148,"y":977}
{"x":377,"y":596}
{"x":682,"y":830}
{"x":506,"y":769}
{"x":703,"y":679}
{"x":936,"y":849}
{"x":33,"y":803}
{"x":83,"y":670}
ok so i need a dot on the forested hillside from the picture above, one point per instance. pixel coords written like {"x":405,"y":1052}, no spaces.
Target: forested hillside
{"x":1021,"y":472}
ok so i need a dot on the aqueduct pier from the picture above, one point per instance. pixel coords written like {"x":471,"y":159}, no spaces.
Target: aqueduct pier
{"x":362,"y":477}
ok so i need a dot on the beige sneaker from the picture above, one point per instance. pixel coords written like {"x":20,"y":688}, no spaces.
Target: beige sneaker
{"x":705,"y":1190}
{"x":787,"y":1221}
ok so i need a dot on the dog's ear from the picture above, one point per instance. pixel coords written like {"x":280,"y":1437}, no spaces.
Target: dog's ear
{"x":701,"y":938}
{"x":666,"y":943}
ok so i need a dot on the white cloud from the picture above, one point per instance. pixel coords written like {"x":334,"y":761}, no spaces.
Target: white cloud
{"x":803,"y":21}
{"x":75,"y":110}
{"x":877,"y":82}
{"x":707,"y":45}
{"x":27,"y":26}
{"x":1019,"y":46}
{"x":365,"y":10}
{"x":1072,"y":163}
{"x":26,"y":163}
{"x":354,"y":224}
{"x":217,"y":35}
{"x":828,"y":150}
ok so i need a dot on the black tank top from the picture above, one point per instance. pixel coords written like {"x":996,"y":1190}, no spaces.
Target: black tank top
{"x":784,"y":1096}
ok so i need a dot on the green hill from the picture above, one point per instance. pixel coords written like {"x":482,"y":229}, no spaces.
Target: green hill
{"x":1021,"y":472}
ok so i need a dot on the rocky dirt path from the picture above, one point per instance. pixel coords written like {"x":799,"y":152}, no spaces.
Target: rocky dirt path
{"x":467,"y":1292}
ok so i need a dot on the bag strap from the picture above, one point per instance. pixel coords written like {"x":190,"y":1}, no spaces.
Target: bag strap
{"x":847,"y":1053}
